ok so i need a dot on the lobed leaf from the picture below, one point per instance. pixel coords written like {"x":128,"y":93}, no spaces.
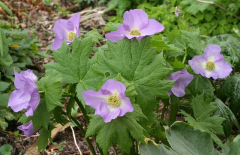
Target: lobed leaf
{"x":118,"y":130}
{"x":138,"y":64}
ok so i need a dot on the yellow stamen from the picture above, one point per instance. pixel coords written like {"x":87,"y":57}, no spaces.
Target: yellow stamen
{"x":71,"y":35}
{"x":135,"y":32}
{"x":114,"y":100}
{"x":210,"y":65}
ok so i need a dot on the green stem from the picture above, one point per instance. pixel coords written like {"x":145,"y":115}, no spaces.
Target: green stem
{"x":40,"y":92}
{"x":114,"y":147}
{"x":82,"y":109}
{"x":173,"y":109}
{"x":163,"y":112}
{"x":165,"y":103}
{"x":68,"y":95}
{"x":213,"y":85}
{"x":185,"y":56}
{"x":84,"y":132}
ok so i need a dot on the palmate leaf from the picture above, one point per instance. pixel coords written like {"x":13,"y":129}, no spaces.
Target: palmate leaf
{"x":118,"y":130}
{"x":139,"y":65}
{"x":193,"y":40}
{"x":203,"y":120}
{"x":74,"y":66}
{"x":200,"y":85}
{"x":52,"y":88}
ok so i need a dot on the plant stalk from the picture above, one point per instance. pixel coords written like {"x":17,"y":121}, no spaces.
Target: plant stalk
{"x":82,"y":108}
{"x":175,"y":102}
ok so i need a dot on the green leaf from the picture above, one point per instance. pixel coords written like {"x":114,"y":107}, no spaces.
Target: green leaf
{"x":5,"y":113}
{"x":200,"y":85}
{"x":5,"y":58}
{"x":193,"y":40}
{"x":193,"y":6}
{"x":234,"y":146}
{"x":6,"y":148}
{"x":4,"y":85}
{"x":57,"y":112}
{"x":226,"y":113}
{"x":4,"y":100}
{"x":178,"y":65}
{"x":151,"y":148}
{"x":120,"y":129}
{"x":24,"y":119}
{"x":159,"y":43}
{"x":112,"y":26}
{"x":175,"y":41}
{"x":52,"y":88}
{"x":2,"y":5}
{"x":74,"y":67}
{"x":3,"y":123}
{"x":231,"y":89}
{"x":41,"y":116}
{"x":94,"y":35}
{"x":43,"y":139}
{"x":186,"y":140}
{"x":204,"y":120}
{"x":138,"y":64}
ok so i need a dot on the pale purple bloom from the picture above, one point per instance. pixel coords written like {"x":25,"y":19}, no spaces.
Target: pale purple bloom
{"x":27,"y":129}
{"x":135,"y":24}
{"x":182,"y":79}
{"x":109,"y":102}
{"x":23,"y":77}
{"x":26,"y":96}
{"x":211,"y":64}
{"x":66,"y":30}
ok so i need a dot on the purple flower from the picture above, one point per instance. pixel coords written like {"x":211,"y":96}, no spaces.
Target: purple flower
{"x":66,"y":30}
{"x":211,"y":64}
{"x":27,"y":129}
{"x":109,"y":102}
{"x":182,"y":79}
{"x":26,"y":96}
{"x":135,"y":24}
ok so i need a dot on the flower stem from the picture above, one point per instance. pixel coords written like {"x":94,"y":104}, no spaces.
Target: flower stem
{"x":173,"y":109}
{"x":114,"y":147}
{"x":68,"y":95}
{"x":165,"y":103}
{"x":41,"y":92}
{"x":184,"y":58}
{"x":84,"y":132}
{"x":82,"y":108}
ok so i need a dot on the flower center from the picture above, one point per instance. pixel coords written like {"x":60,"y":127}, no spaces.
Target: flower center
{"x":210,"y":65}
{"x":114,"y":100}
{"x":71,"y":35}
{"x":135,"y":32}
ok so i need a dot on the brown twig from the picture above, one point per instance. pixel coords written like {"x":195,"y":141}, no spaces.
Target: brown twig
{"x":213,"y":3}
